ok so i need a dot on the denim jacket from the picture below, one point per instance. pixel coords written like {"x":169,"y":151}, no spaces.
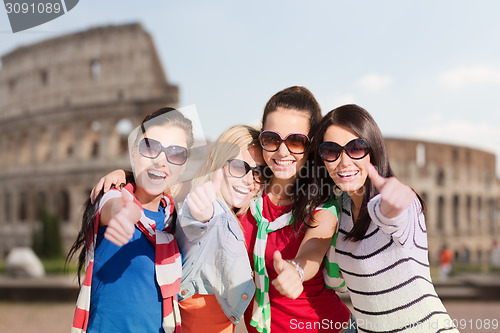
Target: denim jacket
{"x":215,"y":260}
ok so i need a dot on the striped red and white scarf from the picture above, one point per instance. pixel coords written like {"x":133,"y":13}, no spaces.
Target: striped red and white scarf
{"x":168,"y":268}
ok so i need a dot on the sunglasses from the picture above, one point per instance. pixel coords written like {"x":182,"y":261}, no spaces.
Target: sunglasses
{"x":355,"y":149}
{"x":152,"y":149}
{"x":239,"y":169}
{"x":297,"y":143}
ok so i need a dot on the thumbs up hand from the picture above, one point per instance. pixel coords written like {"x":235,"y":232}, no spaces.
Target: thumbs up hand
{"x":288,"y":282}
{"x":202,"y":197}
{"x":395,"y":196}
{"x":125,"y":214}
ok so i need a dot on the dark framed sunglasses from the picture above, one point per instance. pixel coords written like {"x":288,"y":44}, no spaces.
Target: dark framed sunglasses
{"x":355,"y":149}
{"x":152,"y":149}
{"x":297,"y":143}
{"x":239,"y":169}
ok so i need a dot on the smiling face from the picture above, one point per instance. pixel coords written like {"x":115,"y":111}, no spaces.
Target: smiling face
{"x":238,"y":192}
{"x":349,"y":174}
{"x":283,"y":164}
{"x":155,"y":175}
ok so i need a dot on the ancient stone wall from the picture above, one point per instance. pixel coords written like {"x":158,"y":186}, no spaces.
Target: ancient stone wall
{"x":461,"y":192}
{"x":66,"y":106}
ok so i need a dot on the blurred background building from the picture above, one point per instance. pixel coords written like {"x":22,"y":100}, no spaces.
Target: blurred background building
{"x":67,"y":106}
{"x":461,"y":192}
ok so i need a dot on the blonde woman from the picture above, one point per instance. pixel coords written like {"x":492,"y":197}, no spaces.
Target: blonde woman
{"x":217,"y":283}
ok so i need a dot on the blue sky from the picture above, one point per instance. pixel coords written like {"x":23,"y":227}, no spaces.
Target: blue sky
{"x":424,"y":69}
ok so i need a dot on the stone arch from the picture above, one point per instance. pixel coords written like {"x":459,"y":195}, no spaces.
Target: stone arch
{"x":90,"y":140}
{"x":440,"y":179}
{"x":43,"y":146}
{"x":441,"y":214}
{"x":7,"y":206}
{"x":44,"y":77}
{"x":66,"y":142}
{"x":479,"y":255}
{"x":11,"y":151}
{"x":480,"y":214}
{"x":468,"y":207}
{"x":456,"y":214}
{"x":63,"y":205}
{"x":41,"y":203}
{"x":3,"y":149}
{"x":123,"y":127}
{"x":22,"y":204}
{"x":24,"y":149}
{"x":424,"y":198}
{"x":2,"y":211}
{"x":491,"y":216}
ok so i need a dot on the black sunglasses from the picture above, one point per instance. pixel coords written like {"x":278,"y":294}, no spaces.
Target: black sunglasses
{"x":296,"y":143}
{"x":355,"y":149}
{"x":152,"y":149}
{"x":239,"y":169}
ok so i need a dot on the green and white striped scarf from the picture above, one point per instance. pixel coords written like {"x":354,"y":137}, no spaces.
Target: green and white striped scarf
{"x":261,"y":316}
{"x":331,"y":271}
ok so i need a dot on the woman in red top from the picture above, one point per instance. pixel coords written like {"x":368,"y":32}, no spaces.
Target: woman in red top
{"x":289,"y":118}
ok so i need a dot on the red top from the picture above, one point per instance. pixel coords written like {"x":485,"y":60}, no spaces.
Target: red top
{"x":317,"y":307}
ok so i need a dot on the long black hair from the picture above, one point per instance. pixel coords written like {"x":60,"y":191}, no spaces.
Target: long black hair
{"x":85,"y":236}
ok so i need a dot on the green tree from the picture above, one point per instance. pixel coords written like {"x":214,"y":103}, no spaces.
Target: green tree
{"x":47,"y":242}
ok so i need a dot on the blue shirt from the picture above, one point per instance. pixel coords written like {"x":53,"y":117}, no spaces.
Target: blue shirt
{"x":125,"y":296}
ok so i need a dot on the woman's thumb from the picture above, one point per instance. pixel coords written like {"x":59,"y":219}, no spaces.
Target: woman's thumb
{"x":279,"y":263}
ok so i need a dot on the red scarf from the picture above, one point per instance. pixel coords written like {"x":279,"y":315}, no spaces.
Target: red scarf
{"x":168,"y":268}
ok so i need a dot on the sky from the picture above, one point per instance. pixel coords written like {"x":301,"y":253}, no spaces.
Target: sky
{"x":424,"y":69}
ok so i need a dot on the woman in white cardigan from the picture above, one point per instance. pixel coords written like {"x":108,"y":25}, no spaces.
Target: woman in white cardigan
{"x":382,"y":244}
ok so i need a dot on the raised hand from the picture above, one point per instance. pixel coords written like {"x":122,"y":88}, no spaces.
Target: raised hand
{"x":115,"y":178}
{"x":395,"y":196}
{"x":201,"y":198}
{"x":288,"y":282}
{"x":125,"y":215}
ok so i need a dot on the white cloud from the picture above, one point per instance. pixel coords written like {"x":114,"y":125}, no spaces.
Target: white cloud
{"x":463,"y":75}
{"x":375,"y":82}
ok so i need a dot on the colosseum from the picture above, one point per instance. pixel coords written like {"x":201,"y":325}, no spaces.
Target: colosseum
{"x":461,"y":192}
{"x":65,"y":105}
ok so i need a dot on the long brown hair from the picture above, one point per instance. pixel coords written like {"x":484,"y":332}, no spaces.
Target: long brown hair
{"x":362,"y":124}
{"x":299,"y":99}
{"x":295,"y":98}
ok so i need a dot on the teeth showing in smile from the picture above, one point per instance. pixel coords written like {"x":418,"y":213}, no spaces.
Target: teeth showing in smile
{"x":154,"y":174}
{"x":241,"y":190}
{"x":283,"y":163}
{"x":347,"y":173}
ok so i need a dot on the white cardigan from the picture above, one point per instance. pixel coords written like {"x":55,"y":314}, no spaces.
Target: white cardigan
{"x":387,"y":272}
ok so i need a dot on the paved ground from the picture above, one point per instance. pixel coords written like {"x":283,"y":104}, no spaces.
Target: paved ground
{"x":472,"y":300}
{"x":56,"y":317}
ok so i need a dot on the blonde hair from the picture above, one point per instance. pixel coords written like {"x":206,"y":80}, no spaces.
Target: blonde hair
{"x":234,"y":140}
{"x":229,"y":144}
